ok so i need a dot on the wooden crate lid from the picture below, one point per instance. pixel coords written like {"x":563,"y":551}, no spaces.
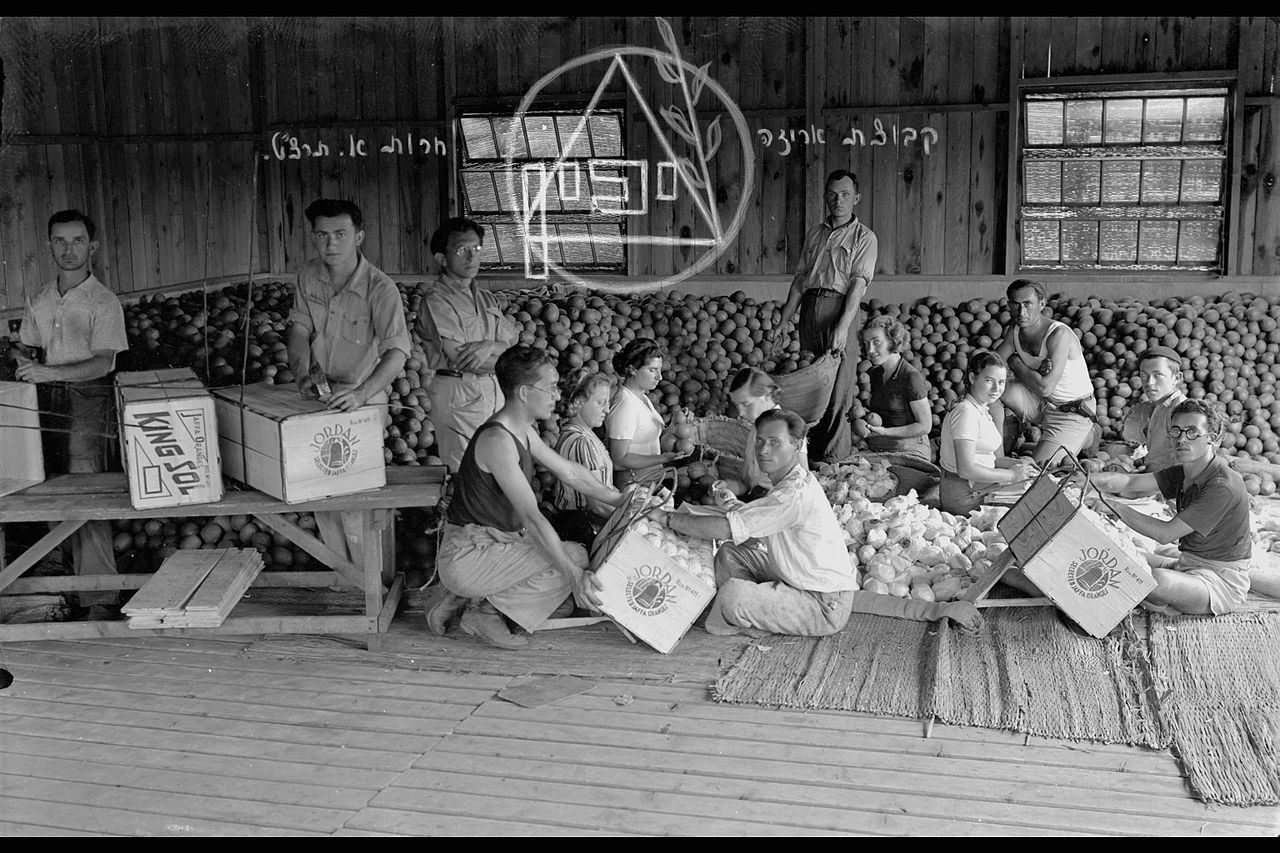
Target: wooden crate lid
{"x":275,"y":401}
{"x":1036,"y":518}
{"x":170,"y":384}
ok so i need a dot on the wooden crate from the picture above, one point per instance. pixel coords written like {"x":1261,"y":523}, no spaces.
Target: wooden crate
{"x":644,"y":591}
{"x":21,"y":456}
{"x":1073,"y":559}
{"x":167,"y":430}
{"x":295,"y":449}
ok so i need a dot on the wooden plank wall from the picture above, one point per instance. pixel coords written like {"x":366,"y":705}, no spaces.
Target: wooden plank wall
{"x":162,"y":127}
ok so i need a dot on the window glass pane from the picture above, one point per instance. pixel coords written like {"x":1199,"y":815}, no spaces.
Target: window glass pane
{"x":582,"y":145}
{"x":1164,"y":120}
{"x":1081,"y":181}
{"x":1084,"y":123}
{"x":1157,"y":242}
{"x":1201,"y":180}
{"x":1039,"y":240}
{"x":1080,"y":242}
{"x":480,"y":192}
{"x":505,"y":186}
{"x":491,"y":250}
{"x":1044,"y":122}
{"x":1198,"y":242}
{"x":1119,"y":242}
{"x":510,"y":138}
{"x":541,"y":131}
{"x":576,"y":241}
{"x":1120,"y":180}
{"x":608,"y":195}
{"x":606,"y":136}
{"x":1160,"y":180}
{"x":479,"y":138}
{"x":1044,"y":181}
{"x":607,"y":240}
{"x":1123,"y":122}
{"x":1206,"y":119}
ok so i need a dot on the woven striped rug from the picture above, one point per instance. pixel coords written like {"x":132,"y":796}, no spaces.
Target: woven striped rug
{"x":1208,"y":687}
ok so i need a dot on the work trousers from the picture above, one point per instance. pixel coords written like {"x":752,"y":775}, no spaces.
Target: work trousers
{"x":751,"y":595}
{"x":77,"y":431}
{"x":831,"y":439}
{"x":459,"y":405}
{"x":508,"y":568}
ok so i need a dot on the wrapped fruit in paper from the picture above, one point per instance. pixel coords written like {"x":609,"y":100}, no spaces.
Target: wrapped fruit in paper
{"x":692,"y":555}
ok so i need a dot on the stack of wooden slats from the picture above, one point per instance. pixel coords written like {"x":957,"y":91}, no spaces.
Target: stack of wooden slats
{"x":194,"y":589}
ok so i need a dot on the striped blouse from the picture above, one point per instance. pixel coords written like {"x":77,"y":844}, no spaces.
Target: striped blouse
{"x":579,"y":444}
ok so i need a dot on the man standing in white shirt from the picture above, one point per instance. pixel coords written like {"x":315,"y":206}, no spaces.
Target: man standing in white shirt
{"x":797,"y":577}
{"x":79,"y":323}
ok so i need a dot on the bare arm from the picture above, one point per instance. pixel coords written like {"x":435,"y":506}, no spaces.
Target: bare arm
{"x":701,"y":526}
{"x":1153,"y":528}
{"x":968,"y":468}
{"x":623,"y":457}
{"x":852,"y":302}
{"x":923,"y":422}
{"x":299,"y":343}
{"x":575,"y":476}
{"x":94,"y":367}
{"x":388,"y":369}
{"x":1125,"y":485}
{"x":1061,"y":342}
{"x":496,"y":454}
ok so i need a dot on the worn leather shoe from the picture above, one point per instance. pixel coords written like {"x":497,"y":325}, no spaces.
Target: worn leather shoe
{"x":491,"y":628}
{"x":443,"y":607}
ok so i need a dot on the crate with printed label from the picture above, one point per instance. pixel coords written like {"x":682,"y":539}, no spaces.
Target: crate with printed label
{"x":1081,"y":561}
{"x":645,"y":589}
{"x":298,"y":449}
{"x":21,"y":454}
{"x":168,"y":438}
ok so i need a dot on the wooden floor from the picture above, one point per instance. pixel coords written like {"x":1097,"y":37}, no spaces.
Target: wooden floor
{"x":184,"y":736}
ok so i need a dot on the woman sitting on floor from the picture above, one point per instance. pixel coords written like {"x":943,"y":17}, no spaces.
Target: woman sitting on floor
{"x":971,"y":454}
{"x":579,"y":517}
{"x":899,"y":393}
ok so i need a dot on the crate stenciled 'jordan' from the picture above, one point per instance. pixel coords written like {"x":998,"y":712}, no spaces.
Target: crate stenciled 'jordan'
{"x":297,"y":449}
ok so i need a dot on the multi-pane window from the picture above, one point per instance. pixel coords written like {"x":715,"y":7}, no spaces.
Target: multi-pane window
{"x":1124,"y":179}
{"x":552,"y":186}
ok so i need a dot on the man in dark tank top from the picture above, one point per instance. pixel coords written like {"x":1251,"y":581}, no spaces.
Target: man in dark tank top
{"x":500,"y":556}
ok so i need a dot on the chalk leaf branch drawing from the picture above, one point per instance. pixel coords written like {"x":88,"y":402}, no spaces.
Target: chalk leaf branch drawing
{"x":531,"y":183}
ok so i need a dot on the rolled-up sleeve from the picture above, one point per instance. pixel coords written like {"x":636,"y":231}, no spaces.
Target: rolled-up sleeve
{"x":388,"y":317}
{"x":777,"y":511}
{"x":862,"y":260}
{"x":29,"y":333}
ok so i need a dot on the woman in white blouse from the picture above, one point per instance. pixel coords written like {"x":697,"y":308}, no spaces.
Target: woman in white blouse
{"x":971,"y":451}
{"x":633,"y":425}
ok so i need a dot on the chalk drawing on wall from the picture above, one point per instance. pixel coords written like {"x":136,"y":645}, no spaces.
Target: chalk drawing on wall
{"x":687,"y":150}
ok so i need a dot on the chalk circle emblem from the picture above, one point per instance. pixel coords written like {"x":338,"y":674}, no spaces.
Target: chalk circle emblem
{"x":686,"y":143}
{"x":650,"y":591}
{"x":335,"y":449}
{"x":1094,"y":573}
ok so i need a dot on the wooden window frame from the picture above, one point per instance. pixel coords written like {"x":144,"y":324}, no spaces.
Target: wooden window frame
{"x":1227,"y":150}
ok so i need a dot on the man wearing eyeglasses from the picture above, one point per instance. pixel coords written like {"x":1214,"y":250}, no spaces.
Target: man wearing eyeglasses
{"x":463,"y":331}
{"x":499,"y":555}
{"x":79,"y":323}
{"x":348,"y":324}
{"x":836,"y":266}
{"x":1209,"y":571}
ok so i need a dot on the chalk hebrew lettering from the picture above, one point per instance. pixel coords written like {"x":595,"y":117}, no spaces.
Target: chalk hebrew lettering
{"x":687,"y":148}
{"x":287,"y":146}
{"x":784,"y":140}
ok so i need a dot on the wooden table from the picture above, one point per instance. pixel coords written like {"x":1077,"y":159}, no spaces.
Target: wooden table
{"x":72,"y":499}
